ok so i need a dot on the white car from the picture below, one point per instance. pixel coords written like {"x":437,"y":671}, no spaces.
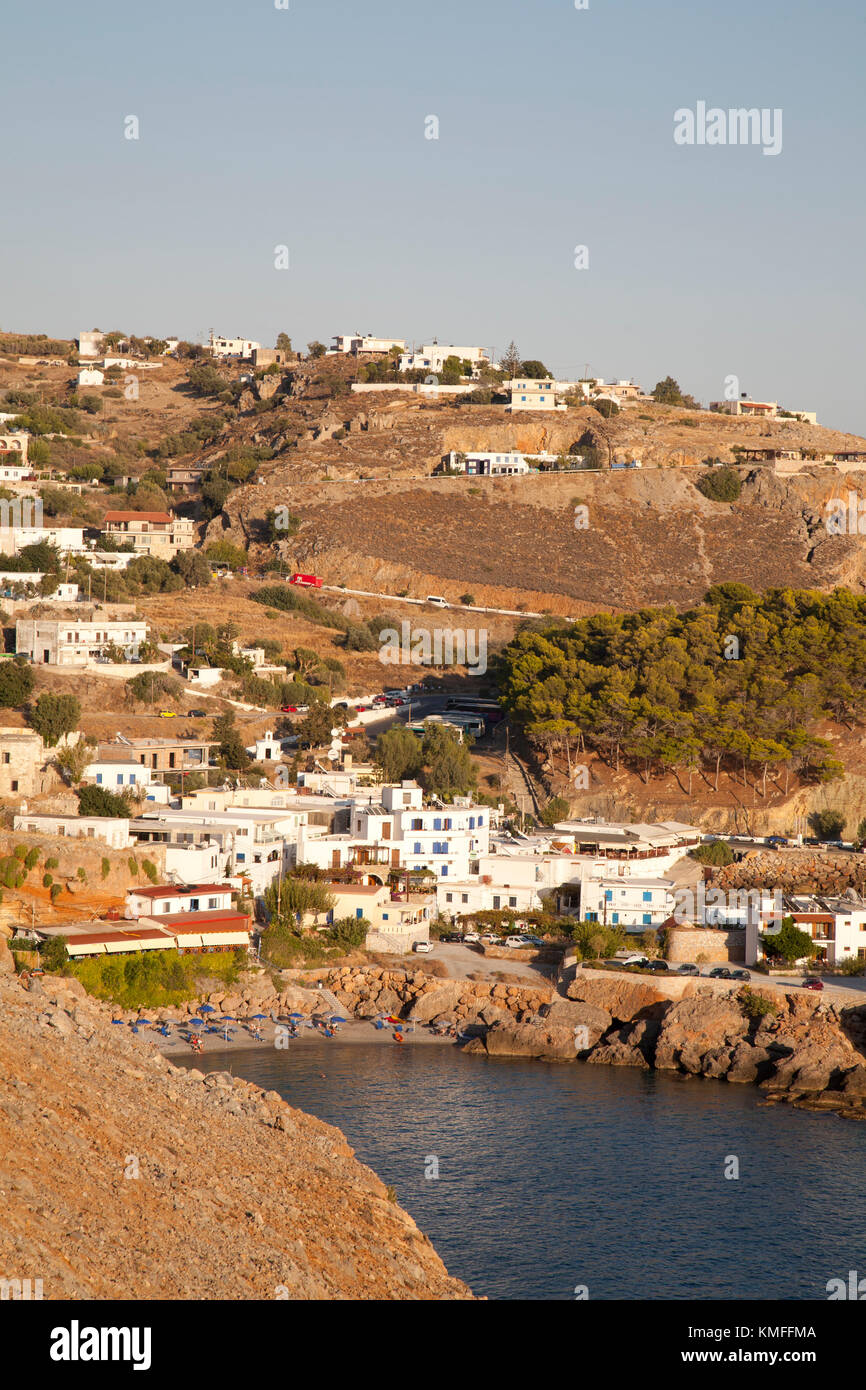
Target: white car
{"x":634,"y":959}
{"x":515,"y":941}
{"x":422,"y":947}
{"x":437,"y":600}
{"x":471,"y":938}
{"x":491,"y":939}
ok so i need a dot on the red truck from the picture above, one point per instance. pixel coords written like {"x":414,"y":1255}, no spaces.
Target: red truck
{"x":307,"y":581}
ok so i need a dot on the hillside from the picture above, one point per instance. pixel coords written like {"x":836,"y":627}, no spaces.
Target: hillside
{"x":235,"y":1196}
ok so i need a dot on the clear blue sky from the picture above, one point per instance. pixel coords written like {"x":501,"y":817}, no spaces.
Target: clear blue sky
{"x":305,"y":127}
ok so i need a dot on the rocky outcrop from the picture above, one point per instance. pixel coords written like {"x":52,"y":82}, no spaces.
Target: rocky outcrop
{"x":119,"y":1172}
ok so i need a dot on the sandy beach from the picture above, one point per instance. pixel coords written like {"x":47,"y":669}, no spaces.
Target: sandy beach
{"x":241,"y":1038}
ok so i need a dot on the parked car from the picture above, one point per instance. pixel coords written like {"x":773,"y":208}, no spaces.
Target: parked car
{"x":168,"y":714}
{"x":471,"y":938}
{"x":719,"y":972}
{"x":741,"y":975}
{"x":306,"y":581}
{"x":437,"y":600}
{"x":422,"y":947}
{"x":451,"y":936}
{"x":688,"y":970}
{"x":289,"y":709}
{"x":660,"y":966}
{"x":491,"y":939}
{"x":812,"y":983}
{"x":379,"y":702}
{"x":198,"y":714}
{"x":535,"y":941}
{"x":515,"y":942}
{"x":634,"y":959}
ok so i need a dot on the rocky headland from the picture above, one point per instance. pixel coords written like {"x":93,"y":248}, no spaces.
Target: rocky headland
{"x":123,"y":1176}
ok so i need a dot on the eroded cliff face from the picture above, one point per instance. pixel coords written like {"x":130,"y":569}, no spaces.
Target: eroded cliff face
{"x":122,"y":1176}
{"x":650,"y":536}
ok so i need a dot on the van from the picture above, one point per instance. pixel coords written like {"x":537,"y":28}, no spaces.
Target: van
{"x":436,"y":600}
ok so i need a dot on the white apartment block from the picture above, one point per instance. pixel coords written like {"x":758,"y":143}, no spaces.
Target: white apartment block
{"x":73,"y":642}
{"x":170,"y":899}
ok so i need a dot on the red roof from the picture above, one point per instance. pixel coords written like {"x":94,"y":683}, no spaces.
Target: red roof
{"x":171,"y":890}
{"x":164,"y":517}
{"x":191,"y":923}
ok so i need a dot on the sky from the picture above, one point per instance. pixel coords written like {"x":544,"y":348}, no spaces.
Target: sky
{"x":307,"y":127}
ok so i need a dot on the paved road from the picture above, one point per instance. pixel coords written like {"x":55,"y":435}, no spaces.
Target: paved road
{"x":463,"y":961}
{"x":422,"y":603}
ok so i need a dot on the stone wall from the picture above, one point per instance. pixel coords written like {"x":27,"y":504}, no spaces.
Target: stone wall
{"x":687,"y":943}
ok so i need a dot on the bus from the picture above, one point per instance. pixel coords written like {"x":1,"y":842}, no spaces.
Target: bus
{"x":488,"y":710}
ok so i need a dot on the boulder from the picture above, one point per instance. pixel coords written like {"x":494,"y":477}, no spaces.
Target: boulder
{"x":436,"y":1001}
{"x":692,"y":1027}
{"x":620,"y":996}
{"x":748,"y":1063}
{"x":618,"y":1054}
{"x":526,"y":1040}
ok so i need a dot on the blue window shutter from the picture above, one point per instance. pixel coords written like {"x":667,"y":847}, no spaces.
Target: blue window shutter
{"x":99,"y":779}
{"x":359,"y":911}
{"x":647,"y":917}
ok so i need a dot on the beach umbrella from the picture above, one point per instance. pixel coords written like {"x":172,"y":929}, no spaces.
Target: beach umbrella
{"x":195,"y":1023}
{"x":227,"y":1018}
{"x":206,"y":1009}
{"x":121,"y":1021}
{"x":335,"y":1018}
{"x":252,"y":1016}
{"x":143,"y":1021}
{"x":296,"y":1015}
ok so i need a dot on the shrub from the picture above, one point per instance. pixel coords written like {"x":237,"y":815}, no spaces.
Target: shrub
{"x":150,"y":870}
{"x":106,"y":867}
{"x":722,"y":485}
{"x":53,"y":716}
{"x":97,"y":801}
{"x":716,"y":852}
{"x":51,"y":862}
{"x":755,"y":1005}
{"x":133,"y":866}
{"x":55,"y":890}
{"x":16,"y":683}
{"x":32,"y":859}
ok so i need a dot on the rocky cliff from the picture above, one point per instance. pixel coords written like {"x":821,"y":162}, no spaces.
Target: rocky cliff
{"x":122,"y":1176}
{"x":797,"y":1048}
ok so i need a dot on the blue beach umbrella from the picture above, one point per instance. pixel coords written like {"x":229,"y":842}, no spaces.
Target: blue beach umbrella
{"x":121,"y":1021}
{"x":206,"y":1009}
{"x":335,"y":1018}
{"x":195,"y":1023}
{"x":252,"y":1016}
{"x":296,"y":1015}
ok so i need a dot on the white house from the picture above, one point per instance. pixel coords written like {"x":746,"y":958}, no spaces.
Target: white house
{"x":232,"y":347}
{"x":533,"y":395}
{"x":90,"y":376}
{"x":431,"y":357}
{"x":171,"y":899}
{"x":74,"y":642}
{"x":364,"y":342}
{"x":113,"y":830}
{"x":69,"y":540}
{"x":486,"y":465}
{"x":837,"y":926}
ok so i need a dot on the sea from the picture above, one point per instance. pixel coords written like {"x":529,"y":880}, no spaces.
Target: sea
{"x":542,"y":1181}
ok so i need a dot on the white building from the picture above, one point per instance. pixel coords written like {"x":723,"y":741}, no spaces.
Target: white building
{"x":837,"y":926}
{"x":74,"y":642}
{"x":117,"y":772}
{"x":392,"y":828}
{"x":357,"y":343}
{"x":69,"y":540}
{"x":90,"y":376}
{"x":112,"y":830}
{"x":171,"y":899}
{"x":90,"y":344}
{"x":487,"y":465}
{"x":533,"y":395}
{"x":431,"y":357}
{"x":232,"y":347}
